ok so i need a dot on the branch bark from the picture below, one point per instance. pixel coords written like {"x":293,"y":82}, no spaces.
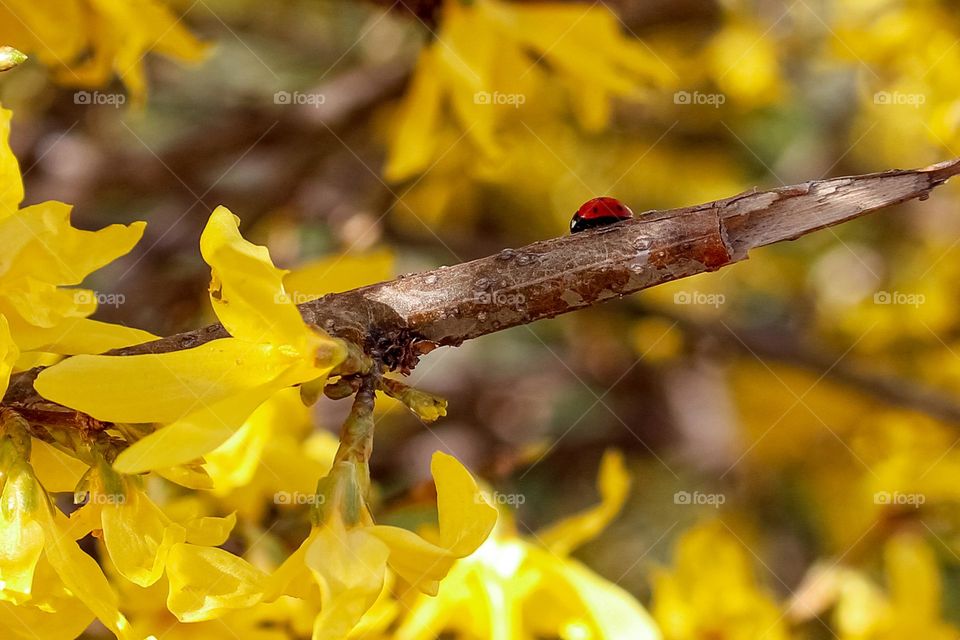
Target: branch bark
{"x":400,"y":320}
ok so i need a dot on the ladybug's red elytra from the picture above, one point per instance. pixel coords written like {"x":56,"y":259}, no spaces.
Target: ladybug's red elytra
{"x":599,"y":212}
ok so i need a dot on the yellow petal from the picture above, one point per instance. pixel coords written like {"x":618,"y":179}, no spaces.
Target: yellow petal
{"x":121,"y":35}
{"x":612,"y":612}
{"x":8,"y":355}
{"x":210,"y":531}
{"x":571,"y":532}
{"x":415,"y":142}
{"x":349,"y":566}
{"x":52,"y":613}
{"x":465,"y":519}
{"x":39,"y":241}
{"x":139,"y":537}
{"x":81,"y":574}
{"x":338,"y":273}
{"x":72,"y":335}
{"x":190,"y":476}
{"x":160,"y":387}
{"x":234,"y":463}
{"x":193,"y":436}
{"x":417,"y":561}
{"x":913,"y":576}
{"x":21,"y":536}
{"x":11,"y":187}
{"x":206,"y":582}
{"x":292,"y":577}
{"x":56,"y":470}
{"x":246,"y":290}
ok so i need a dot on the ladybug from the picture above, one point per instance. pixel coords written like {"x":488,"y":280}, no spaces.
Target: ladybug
{"x":599,"y":212}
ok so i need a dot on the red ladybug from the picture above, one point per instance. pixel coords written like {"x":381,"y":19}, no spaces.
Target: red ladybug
{"x":599,"y":212}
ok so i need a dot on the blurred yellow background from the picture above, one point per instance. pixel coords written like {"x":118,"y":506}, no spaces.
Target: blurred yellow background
{"x":790,"y":423}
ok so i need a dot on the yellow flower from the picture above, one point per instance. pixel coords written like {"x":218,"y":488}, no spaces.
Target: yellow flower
{"x":348,"y":555}
{"x":486,"y":60}
{"x":712,"y":591}
{"x":148,"y":613}
{"x":51,"y":613}
{"x":31,"y":529}
{"x":206,"y":582}
{"x":910,"y":608}
{"x":913,"y":607}
{"x":204,"y":394}
{"x":137,"y":534}
{"x":40,"y":253}
{"x":87,"y":43}
{"x":272,"y":456}
{"x":516,"y":588}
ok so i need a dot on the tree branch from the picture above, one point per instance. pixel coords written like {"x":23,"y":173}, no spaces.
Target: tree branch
{"x":789,"y":348}
{"x":399,"y":320}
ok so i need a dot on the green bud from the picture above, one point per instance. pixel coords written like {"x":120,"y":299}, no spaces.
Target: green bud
{"x":427,"y":406}
{"x":10,"y":58}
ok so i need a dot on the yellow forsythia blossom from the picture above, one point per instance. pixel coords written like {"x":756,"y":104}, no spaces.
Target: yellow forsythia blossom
{"x":348,"y":561}
{"x":34,"y":535}
{"x":515,"y":587}
{"x":87,"y":42}
{"x":712,"y":592}
{"x":204,"y":394}
{"x":910,"y":606}
{"x":40,"y":255}
{"x":487,"y":60}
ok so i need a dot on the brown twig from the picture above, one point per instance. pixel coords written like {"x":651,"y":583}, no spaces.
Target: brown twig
{"x":787,"y":347}
{"x":399,"y":320}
